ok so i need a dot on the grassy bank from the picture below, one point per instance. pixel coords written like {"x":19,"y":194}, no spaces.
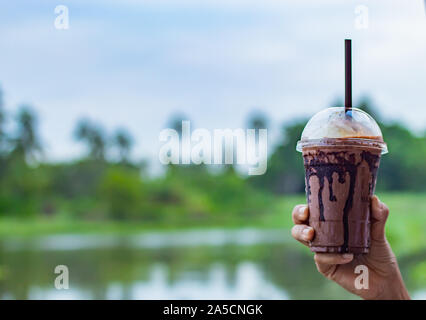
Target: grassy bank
{"x":405,"y":228}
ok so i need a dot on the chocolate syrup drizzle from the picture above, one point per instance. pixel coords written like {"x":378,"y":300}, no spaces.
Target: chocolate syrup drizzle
{"x":316,"y":166}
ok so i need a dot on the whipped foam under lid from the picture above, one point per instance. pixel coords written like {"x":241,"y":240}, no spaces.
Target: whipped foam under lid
{"x":335,"y":123}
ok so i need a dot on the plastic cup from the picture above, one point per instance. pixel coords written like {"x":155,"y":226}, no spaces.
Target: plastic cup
{"x":341,"y":152}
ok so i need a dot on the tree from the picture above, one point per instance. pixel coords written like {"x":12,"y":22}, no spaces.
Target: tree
{"x":123,"y":141}
{"x":257,"y":120}
{"x":337,"y":102}
{"x":175,"y":122}
{"x":26,"y":142}
{"x":3,"y":138}
{"x":2,"y":120}
{"x":122,"y":190}
{"x":285,"y":166}
{"x":94,"y":138}
{"x":366,"y":104}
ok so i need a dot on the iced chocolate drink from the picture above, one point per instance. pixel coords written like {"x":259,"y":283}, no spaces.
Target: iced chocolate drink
{"x":341,"y":153}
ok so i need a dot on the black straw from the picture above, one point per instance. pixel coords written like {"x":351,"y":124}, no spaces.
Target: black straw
{"x":348,"y":75}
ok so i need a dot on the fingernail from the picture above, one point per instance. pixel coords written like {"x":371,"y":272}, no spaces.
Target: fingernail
{"x":302,"y":212}
{"x":347,"y":256}
{"x":376,"y":198}
{"x":306,"y":232}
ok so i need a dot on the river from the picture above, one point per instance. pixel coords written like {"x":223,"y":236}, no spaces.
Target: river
{"x":197,"y":264}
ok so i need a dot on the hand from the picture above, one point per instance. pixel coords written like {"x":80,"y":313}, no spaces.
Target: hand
{"x":385,"y":281}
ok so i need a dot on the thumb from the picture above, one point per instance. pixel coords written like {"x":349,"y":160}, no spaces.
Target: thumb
{"x":379,"y":215}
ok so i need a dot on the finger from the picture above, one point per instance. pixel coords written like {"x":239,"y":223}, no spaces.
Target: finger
{"x":379,"y":215}
{"x":379,"y":211}
{"x":300,"y":214}
{"x":302,"y":233}
{"x":333,"y":258}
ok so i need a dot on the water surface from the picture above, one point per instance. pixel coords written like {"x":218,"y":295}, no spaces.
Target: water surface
{"x":198,"y":264}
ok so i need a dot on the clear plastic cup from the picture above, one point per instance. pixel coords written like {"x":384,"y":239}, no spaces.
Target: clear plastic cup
{"x":341,"y":152}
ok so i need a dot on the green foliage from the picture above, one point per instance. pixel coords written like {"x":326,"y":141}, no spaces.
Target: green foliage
{"x":122,"y":191}
{"x":123,"y":142}
{"x":101,"y":187}
{"x":77,"y":179}
{"x":26,"y":143}
{"x":2,"y":124}
{"x":285,"y":172}
{"x":209,"y":198}
{"x":403,"y":168}
{"x":93,"y":136}
{"x":21,"y":189}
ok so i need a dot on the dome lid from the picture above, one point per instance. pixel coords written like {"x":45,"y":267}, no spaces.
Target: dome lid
{"x":354,"y":126}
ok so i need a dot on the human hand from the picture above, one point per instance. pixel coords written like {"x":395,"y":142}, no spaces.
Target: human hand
{"x":385,"y":281}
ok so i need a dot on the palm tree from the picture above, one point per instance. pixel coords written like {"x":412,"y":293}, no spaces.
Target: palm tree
{"x":366,"y":103}
{"x":98,"y":145}
{"x":123,"y":141}
{"x":175,"y":122}
{"x":2,"y":122}
{"x":83,"y":130}
{"x":26,"y":142}
{"x":337,"y":102}
{"x":93,"y":136}
{"x":257,"y":120}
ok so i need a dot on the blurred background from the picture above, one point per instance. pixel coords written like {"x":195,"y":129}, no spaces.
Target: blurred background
{"x":81,"y":109}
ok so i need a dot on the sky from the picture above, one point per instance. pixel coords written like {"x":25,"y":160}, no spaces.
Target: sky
{"x":134,"y":64}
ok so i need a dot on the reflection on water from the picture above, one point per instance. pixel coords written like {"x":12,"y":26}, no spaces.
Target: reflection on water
{"x":250,"y":284}
{"x":214,"y":264}
{"x":154,"y":240}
